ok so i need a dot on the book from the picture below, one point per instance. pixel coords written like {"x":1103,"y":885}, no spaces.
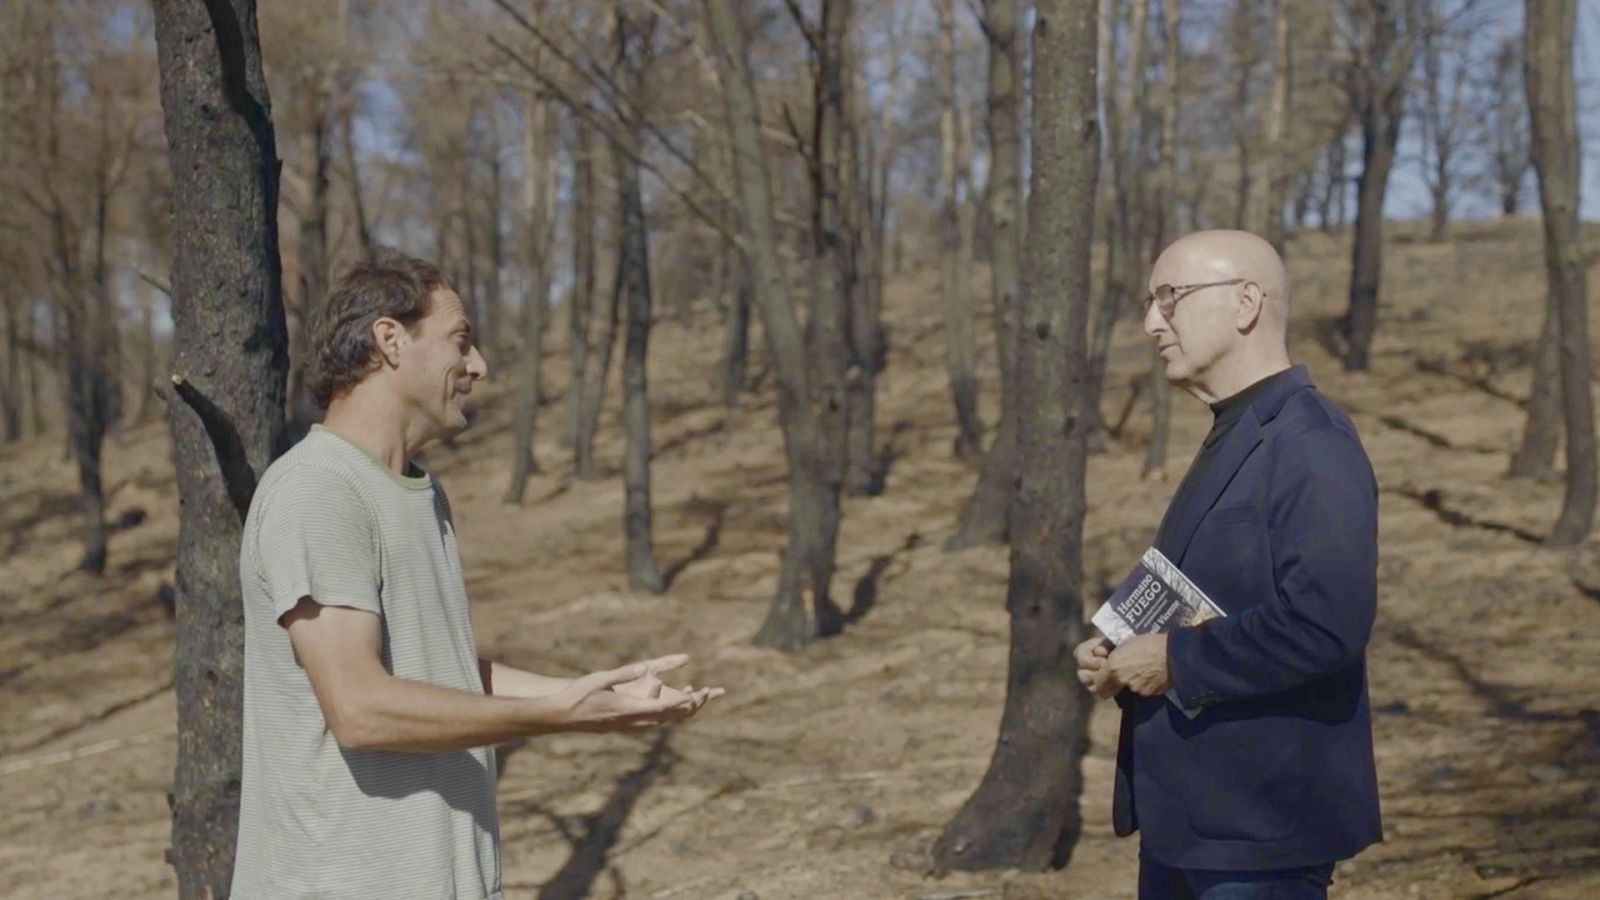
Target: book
{"x":1155,"y":598}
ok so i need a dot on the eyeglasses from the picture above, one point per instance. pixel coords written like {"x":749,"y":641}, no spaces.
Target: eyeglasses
{"x":1166,"y":296}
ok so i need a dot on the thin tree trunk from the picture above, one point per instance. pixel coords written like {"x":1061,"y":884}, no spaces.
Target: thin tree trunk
{"x":960,"y":341}
{"x":538,"y":152}
{"x":1025,"y":813}
{"x":1381,"y":107}
{"x":314,"y":265}
{"x":633,"y":279}
{"x":1155,"y":457}
{"x":864,"y":475}
{"x":1556,"y":157}
{"x":594,"y":384}
{"x":736,"y":346}
{"x":1122,"y":127}
{"x":813,"y":503}
{"x":11,"y":390}
{"x":1541,"y":434}
{"x":984,"y":518}
{"x":494,"y":305}
{"x":230,"y":346}
{"x":149,"y":360}
{"x":1267,"y":212}
{"x":580,"y":303}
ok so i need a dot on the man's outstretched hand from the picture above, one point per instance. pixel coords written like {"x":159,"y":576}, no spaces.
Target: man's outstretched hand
{"x":632,"y":697}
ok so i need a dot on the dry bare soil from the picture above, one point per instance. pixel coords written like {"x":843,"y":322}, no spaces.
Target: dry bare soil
{"x":826,"y":774}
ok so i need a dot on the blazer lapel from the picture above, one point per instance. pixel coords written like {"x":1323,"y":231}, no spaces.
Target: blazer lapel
{"x":1237,"y":446}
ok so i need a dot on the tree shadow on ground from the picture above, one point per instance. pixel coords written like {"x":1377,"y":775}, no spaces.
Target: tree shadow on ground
{"x":593,"y":836}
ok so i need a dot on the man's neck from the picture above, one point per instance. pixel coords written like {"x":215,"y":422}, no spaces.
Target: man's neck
{"x":377,"y":427}
{"x":1224,"y":381}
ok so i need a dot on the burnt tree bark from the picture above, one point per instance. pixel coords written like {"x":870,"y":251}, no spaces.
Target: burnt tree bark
{"x":1025,"y":813}
{"x":863,"y":204}
{"x":633,"y":282}
{"x":872,"y":162}
{"x":814,"y":469}
{"x":1552,"y":105}
{"x":580,"y":303}
{"x":230,"y":363}
{"x":1123,"y":121}
{"x":1155,"y":457}
{"x":984,"y":517}
{"x":1377,"y":86}
{"x":960,"y":341}
{"x":538,"y":151}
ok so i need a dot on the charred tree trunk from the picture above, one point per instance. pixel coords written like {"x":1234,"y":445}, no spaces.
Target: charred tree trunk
{"x":314,"y":265}
{"x":1122,"y":128}
{"x":985,"y":516}
{"x":960,"y":341}
{"x":1541,"y":434}
{"x":1025,"y":813}
{"x":11,"y":390}
{"x":865,"y":350}
{"x":607,"y":298}
{"x":1380,"y":104}
{"x":538,"y":152}
{"x":813,"y":483}
{"x":1266,"y":217}
{"x":633,"y":281}
{"x":493,"y":301}
{"x":1552,"y":105}
{"x":736,"y":346}
{"x":580,"y":304}
{"x":1155,"y":457}
{"x":230,"y":349}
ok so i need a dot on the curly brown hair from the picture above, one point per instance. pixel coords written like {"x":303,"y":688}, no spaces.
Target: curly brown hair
{"x":387,"y":284}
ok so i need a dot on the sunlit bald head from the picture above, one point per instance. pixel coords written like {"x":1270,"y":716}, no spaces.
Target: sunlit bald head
{"x":1229,"y":326}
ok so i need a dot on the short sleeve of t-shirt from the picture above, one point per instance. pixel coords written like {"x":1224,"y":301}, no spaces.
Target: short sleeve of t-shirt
{"x":315,"y":539}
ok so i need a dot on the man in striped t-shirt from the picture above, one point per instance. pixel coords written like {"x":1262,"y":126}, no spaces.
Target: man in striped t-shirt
{"x":368,"y":717}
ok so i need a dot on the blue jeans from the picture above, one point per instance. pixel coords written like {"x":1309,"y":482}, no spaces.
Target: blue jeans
{"x":1159,"y":882}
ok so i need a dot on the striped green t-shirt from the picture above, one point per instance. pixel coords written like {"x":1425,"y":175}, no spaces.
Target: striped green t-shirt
{"x":316,"y":820}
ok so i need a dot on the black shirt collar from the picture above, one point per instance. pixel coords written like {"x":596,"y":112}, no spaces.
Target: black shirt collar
{"x":1230,"y":409}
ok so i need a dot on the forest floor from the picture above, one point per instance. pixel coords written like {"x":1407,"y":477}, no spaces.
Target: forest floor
{"x":827,"y":773}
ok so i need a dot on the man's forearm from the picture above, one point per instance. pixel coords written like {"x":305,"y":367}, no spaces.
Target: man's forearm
{"x":398,"y":715}
{"x":502,"y":680}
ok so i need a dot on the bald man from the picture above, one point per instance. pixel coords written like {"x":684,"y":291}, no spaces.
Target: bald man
{"x":1265,"y":777}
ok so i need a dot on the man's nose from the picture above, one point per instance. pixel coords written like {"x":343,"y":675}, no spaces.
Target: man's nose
{"x":1154,"y":321}
{"x":477,"y":366}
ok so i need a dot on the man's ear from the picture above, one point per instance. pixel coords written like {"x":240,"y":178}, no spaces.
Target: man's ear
{"x":389,"y":336}
{"x":1252,"y":300}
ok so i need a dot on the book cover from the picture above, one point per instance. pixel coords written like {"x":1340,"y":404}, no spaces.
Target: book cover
{"x":1155,"y":598}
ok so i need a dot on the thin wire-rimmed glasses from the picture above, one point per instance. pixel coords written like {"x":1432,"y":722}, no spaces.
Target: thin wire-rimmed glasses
{"x":1166,"y":296}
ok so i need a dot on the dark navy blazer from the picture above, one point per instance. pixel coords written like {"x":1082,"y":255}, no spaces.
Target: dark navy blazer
{"x":1276,"y":770}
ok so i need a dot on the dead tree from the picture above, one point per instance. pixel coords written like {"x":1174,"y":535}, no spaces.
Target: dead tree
{"x":805,"y":398}
{"x":1155,"y":457}
{"x":955,"y":176}
{"x":1510,"y":154}
{"x":633,"y":37}
{"x":1376,"y":82}
{"x":1266,"y":209}
{"x":1443,"y":115}
{"x":538,"y":153}
{"x":870,"y":160}
{"x":1552,"y":105}
{"x":984,"y":517}
{"x":229,"y":363}
{"x":1123,"y":121}
{"x":1025,"y":813}
{"x":580,"y":303}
